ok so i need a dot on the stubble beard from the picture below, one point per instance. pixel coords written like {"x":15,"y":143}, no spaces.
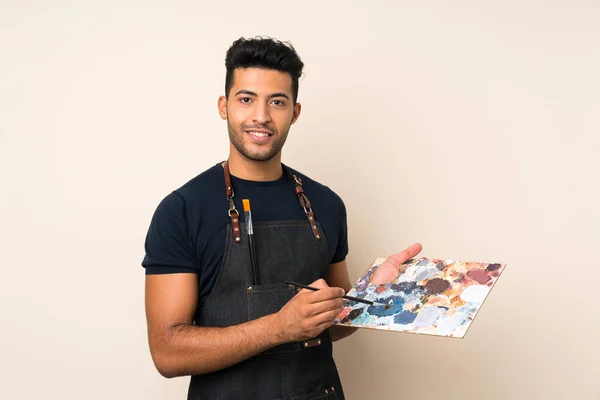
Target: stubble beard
{"x":237,"y":139}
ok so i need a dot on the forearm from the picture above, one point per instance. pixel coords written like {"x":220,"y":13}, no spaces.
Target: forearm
{"x":339,"y":332}
{"x":193,"y":350}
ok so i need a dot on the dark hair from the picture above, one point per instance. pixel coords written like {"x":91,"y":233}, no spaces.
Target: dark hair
{"x":265,"y":53}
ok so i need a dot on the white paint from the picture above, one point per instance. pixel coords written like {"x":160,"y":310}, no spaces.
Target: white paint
{"x":421,"y":271}
{"x":475,"y":294}
{"x":428,"y":316}
{"x":448,"y":325}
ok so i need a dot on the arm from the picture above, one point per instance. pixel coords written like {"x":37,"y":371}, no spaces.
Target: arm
{"x":338,"y":277}
{"x":180,"y":348}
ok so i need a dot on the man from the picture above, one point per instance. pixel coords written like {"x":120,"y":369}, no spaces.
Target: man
{"x":207,"y":317}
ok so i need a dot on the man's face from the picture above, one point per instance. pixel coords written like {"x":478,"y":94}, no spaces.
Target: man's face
{"x":259,"y":112}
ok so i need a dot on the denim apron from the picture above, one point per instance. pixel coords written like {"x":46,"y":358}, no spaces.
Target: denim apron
{"x":285,"y":250}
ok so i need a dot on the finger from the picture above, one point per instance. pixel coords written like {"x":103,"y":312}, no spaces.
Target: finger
{"x":406,"y":254}
{"x":326,"y":306}
{"x":321,"y":327}
{"x":304,"y":292}
{"x":328,"y":293}
{"x":326,"y":318}
{"x":320,"y":284}
{"x":388,"y":270}
{"x":324,"y":321}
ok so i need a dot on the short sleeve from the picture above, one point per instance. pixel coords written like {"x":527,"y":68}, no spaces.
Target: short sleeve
{"x":168,"y":246}
{"x":341,"y":250}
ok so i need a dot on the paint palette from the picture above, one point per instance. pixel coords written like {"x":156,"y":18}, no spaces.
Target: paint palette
{"x":429,"y":296}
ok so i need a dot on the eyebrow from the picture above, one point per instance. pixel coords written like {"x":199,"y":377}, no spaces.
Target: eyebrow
{"x":251,"y":93}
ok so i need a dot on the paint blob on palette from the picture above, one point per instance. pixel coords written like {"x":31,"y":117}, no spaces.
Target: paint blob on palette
{"x":429,"y":296}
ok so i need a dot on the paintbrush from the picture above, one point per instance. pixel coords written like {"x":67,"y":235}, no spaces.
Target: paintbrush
{"x":248,"y":219}
{"x":371,"y":303}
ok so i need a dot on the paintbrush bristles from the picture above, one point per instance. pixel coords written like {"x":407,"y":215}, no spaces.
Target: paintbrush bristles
{"x":246,"y":204}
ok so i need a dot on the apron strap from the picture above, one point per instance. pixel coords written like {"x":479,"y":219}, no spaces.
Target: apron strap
{"x":304,"y":202}
{"x":233,"y":212}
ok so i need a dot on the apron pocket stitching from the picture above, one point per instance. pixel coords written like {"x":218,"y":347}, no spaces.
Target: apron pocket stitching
{"x":248,"y":305}
{"x":254,"y":290}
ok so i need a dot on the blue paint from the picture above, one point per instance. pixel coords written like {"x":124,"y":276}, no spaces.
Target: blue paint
{"x":370,"y":272}
{"x":426,"y":274}
{"x":360,"y":319}
{"x":405,"y":287}
{"x":405,"y":318}
{"x":417,"y":294}
{"x":467,"y":308}
{"x":394,"y":302}
{"x":423,"y":262}
{"x":362,"y":285}
{"x":352,"y":315}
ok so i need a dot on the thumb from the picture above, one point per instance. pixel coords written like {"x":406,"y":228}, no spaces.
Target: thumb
{"x":388,"y":270}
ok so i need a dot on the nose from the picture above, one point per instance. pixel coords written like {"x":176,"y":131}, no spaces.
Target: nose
{"x":261,"y":114}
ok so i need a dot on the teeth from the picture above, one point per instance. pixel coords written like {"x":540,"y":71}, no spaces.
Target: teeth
{"x":259,"y":134}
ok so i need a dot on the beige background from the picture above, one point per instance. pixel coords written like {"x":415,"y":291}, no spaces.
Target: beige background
{"x":470,"y":127}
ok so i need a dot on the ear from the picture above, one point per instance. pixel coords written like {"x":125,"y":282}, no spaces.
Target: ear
{"x":297,"y":109}
{"x":222,"y":104}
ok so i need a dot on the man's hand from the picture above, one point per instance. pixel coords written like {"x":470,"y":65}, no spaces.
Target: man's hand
{"x":388,"y":270}
{"x":309,"y":312}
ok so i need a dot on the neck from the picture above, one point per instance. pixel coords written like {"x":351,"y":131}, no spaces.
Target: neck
{"x":251,"y":170}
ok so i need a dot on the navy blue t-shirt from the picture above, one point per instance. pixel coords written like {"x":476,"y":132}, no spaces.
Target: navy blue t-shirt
{"x":188,"y":229}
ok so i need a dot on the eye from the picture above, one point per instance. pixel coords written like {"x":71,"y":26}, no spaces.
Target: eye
{"x":278,"y":102}
{"x":245,"y":100}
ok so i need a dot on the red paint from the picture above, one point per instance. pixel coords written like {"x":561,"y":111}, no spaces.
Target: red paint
{"x":381,"y":289}
{"x":344,"y":312}
{"x":478,"y":275}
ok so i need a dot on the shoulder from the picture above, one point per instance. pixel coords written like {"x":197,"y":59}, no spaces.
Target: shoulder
{"x":197,"y":190}
{"x":203,"y":183}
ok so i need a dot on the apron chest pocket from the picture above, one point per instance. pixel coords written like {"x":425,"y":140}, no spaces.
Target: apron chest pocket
{"x":268,"y":299}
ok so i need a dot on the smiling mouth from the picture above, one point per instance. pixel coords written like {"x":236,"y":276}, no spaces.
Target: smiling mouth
{"x":258,"y":134}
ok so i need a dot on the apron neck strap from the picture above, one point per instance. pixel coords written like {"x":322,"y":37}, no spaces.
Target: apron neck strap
{"x":304,"y":202}
{"x":233,"y":212}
